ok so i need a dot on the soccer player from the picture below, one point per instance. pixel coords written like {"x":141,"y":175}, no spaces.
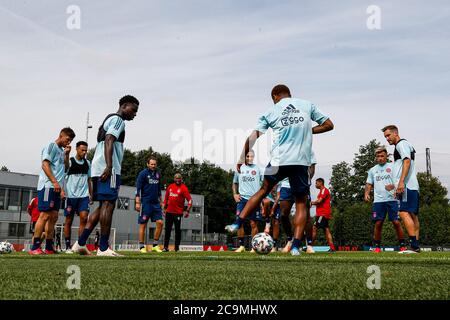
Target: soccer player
{"x":286,"y":203}
{"x":405,"y":184}
{"x":323,"y":213}
{"x":384,"y":201}
{"x":148,"y":203}
{"x":78,"y":190}
{"x":55,"y":159}
{"x":106,"y":170}
{"x":246,"y":184}
{"x":176,"y":195}
{"x":291,"y":121}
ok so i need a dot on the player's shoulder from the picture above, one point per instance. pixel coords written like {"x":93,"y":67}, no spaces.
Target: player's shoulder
{"x":114,"y":119}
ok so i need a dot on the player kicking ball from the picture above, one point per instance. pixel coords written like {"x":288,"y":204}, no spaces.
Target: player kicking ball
{"x":291,"y":121}
{"x":384,"y":201}
{"x":106,"y":170}
{"x":55,"y":160}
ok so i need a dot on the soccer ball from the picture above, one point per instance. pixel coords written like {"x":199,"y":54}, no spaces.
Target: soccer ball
{"x":262,"y":243}
{"x":6,"y":247}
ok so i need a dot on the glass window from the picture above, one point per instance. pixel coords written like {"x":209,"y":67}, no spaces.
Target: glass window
{"x":196,"y":236}
{"x":13,"y":200}
{"x":25,"y":199}
{"x":2,"y":199}
{"x":16,"y":230}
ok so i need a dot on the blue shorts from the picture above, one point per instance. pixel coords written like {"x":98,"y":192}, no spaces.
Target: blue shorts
{"x":48,"y":200}
{"x":150,"y":211}
{"x":254,"y":216}
{"x":409,"y":201}
{"x":286,"y":194}
{"x":298,"y":177}
{"x":107,"y":190}
{"x":379,"y":210}
{"x":76,"y":205}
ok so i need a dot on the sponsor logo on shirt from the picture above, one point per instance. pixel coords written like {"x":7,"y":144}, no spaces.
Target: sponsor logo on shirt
{"x":173,"y":194}
{"x":381,"y":178}
{"x":248,"y":179}
{"x":152,"y":181}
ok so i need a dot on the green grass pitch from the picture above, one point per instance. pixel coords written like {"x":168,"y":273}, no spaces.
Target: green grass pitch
{"x":227,"y":275}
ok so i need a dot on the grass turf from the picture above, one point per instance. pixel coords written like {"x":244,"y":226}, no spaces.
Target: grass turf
{"x":227,"y":275}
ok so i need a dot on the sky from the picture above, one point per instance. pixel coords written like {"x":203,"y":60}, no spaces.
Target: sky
{"x":203,"y":72}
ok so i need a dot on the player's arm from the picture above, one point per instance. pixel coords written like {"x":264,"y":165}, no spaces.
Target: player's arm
{"x":109,"y":149}
{"x":66,"y":157}
{"x":137,"y":200}
{"x":405,"y":171}
{"x":166,"y":199}
{"x":235,"y":189}
{"x":49,"y":173}
{"x":30,"y":207}
{"x":324,"y":127}
{"x":187,"y":195}
{"x":249,"y":143}
{"x":367,"y":191}
{"x":318,"y":201}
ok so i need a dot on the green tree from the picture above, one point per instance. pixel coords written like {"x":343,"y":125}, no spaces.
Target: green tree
{"x":362,"y":162}
{"x":431,"y":190}
{"x":341,"y":185}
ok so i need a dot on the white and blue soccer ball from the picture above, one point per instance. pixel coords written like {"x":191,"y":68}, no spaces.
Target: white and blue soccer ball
{"x":262,"y":243}
{"x":6,"y":247}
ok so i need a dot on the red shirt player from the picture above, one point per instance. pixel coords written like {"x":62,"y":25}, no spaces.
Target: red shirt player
{"x":34,"y":212}
{"x":176,"y":195}
{"x":323,"y":213}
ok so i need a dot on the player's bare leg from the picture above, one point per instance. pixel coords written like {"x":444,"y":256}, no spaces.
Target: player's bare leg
{"x":241,"y":236}
{"x":313,"y":235}
{"x":400,"y":236}
{"x":415,"y":219}
{"x":408,"y":221}
{"x":142,"y":228}
{"x":330,"y":239}
{"x":49,"y":231}
{"x":83,"y":221}
{"x":378,"y":228}
{"x":159,"y":226}
{"x":254,"y":227}
{"x":285,"y":207}
{"x":299,"y":223}
{"x":275,"y":233}
{"x":67,"y":229}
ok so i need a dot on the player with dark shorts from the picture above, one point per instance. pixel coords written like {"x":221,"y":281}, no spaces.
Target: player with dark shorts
{"x":55,"y":160}
{"x":291,"y":121}
{"x":245,"y":184}
{"x":323,"y":213}
{"x":384,"y":202}
{"x":106,"y":174}
{"x":78,"y":188}
{"x":405,"y":184}
{"x":149,"y":203}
